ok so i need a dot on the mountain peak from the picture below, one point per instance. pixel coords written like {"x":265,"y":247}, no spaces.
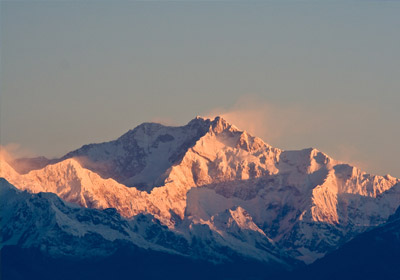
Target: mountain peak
{"x":219,"y":125}
{"x":210,"y":171}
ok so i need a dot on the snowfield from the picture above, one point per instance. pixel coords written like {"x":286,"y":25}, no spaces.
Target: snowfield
{"x":212,"y":183}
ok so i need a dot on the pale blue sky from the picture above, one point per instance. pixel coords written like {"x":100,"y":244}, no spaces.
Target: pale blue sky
{"x":326,"y":72}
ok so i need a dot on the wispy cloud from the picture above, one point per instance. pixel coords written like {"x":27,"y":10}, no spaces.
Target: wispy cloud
{"x":12,"y":151}
{"x":269,"y":121}
{"x":336,"y":129}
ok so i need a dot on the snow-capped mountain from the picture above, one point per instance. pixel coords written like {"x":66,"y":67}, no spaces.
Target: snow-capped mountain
{"x":210,"y":180}
{"x":64,"y":230}
{"x":374,"y":254}
{"x":140,"y":157}
{"x":45,"y":221}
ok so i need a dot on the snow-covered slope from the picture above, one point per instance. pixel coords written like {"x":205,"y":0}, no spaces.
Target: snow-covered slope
{"x":193,"y":177}
{"x":62,"y":229}
{"x":141,"y":156}
{"x":75,"y":184}
{"x":374,"y":254}
{"x":44,"y":221}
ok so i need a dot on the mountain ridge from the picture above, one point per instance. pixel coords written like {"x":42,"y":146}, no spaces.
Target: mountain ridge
{"x":63,"y":230}
{"x":304,"y":201}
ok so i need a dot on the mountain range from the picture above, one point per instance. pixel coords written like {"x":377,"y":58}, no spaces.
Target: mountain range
{"x":207,"y":195}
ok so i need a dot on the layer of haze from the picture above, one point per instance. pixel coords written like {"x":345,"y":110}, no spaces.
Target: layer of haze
{"x":296,"y":73}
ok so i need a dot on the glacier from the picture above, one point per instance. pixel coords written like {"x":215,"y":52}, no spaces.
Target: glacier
{"x":216,"y":189}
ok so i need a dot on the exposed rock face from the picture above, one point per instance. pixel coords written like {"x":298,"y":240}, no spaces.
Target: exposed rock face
{"x":193,"y":177}
{"x":140,"y":157}
{"x":63,"y":230}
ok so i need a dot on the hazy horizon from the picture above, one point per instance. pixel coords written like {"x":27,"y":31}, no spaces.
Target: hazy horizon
{"x":298,"y":74}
